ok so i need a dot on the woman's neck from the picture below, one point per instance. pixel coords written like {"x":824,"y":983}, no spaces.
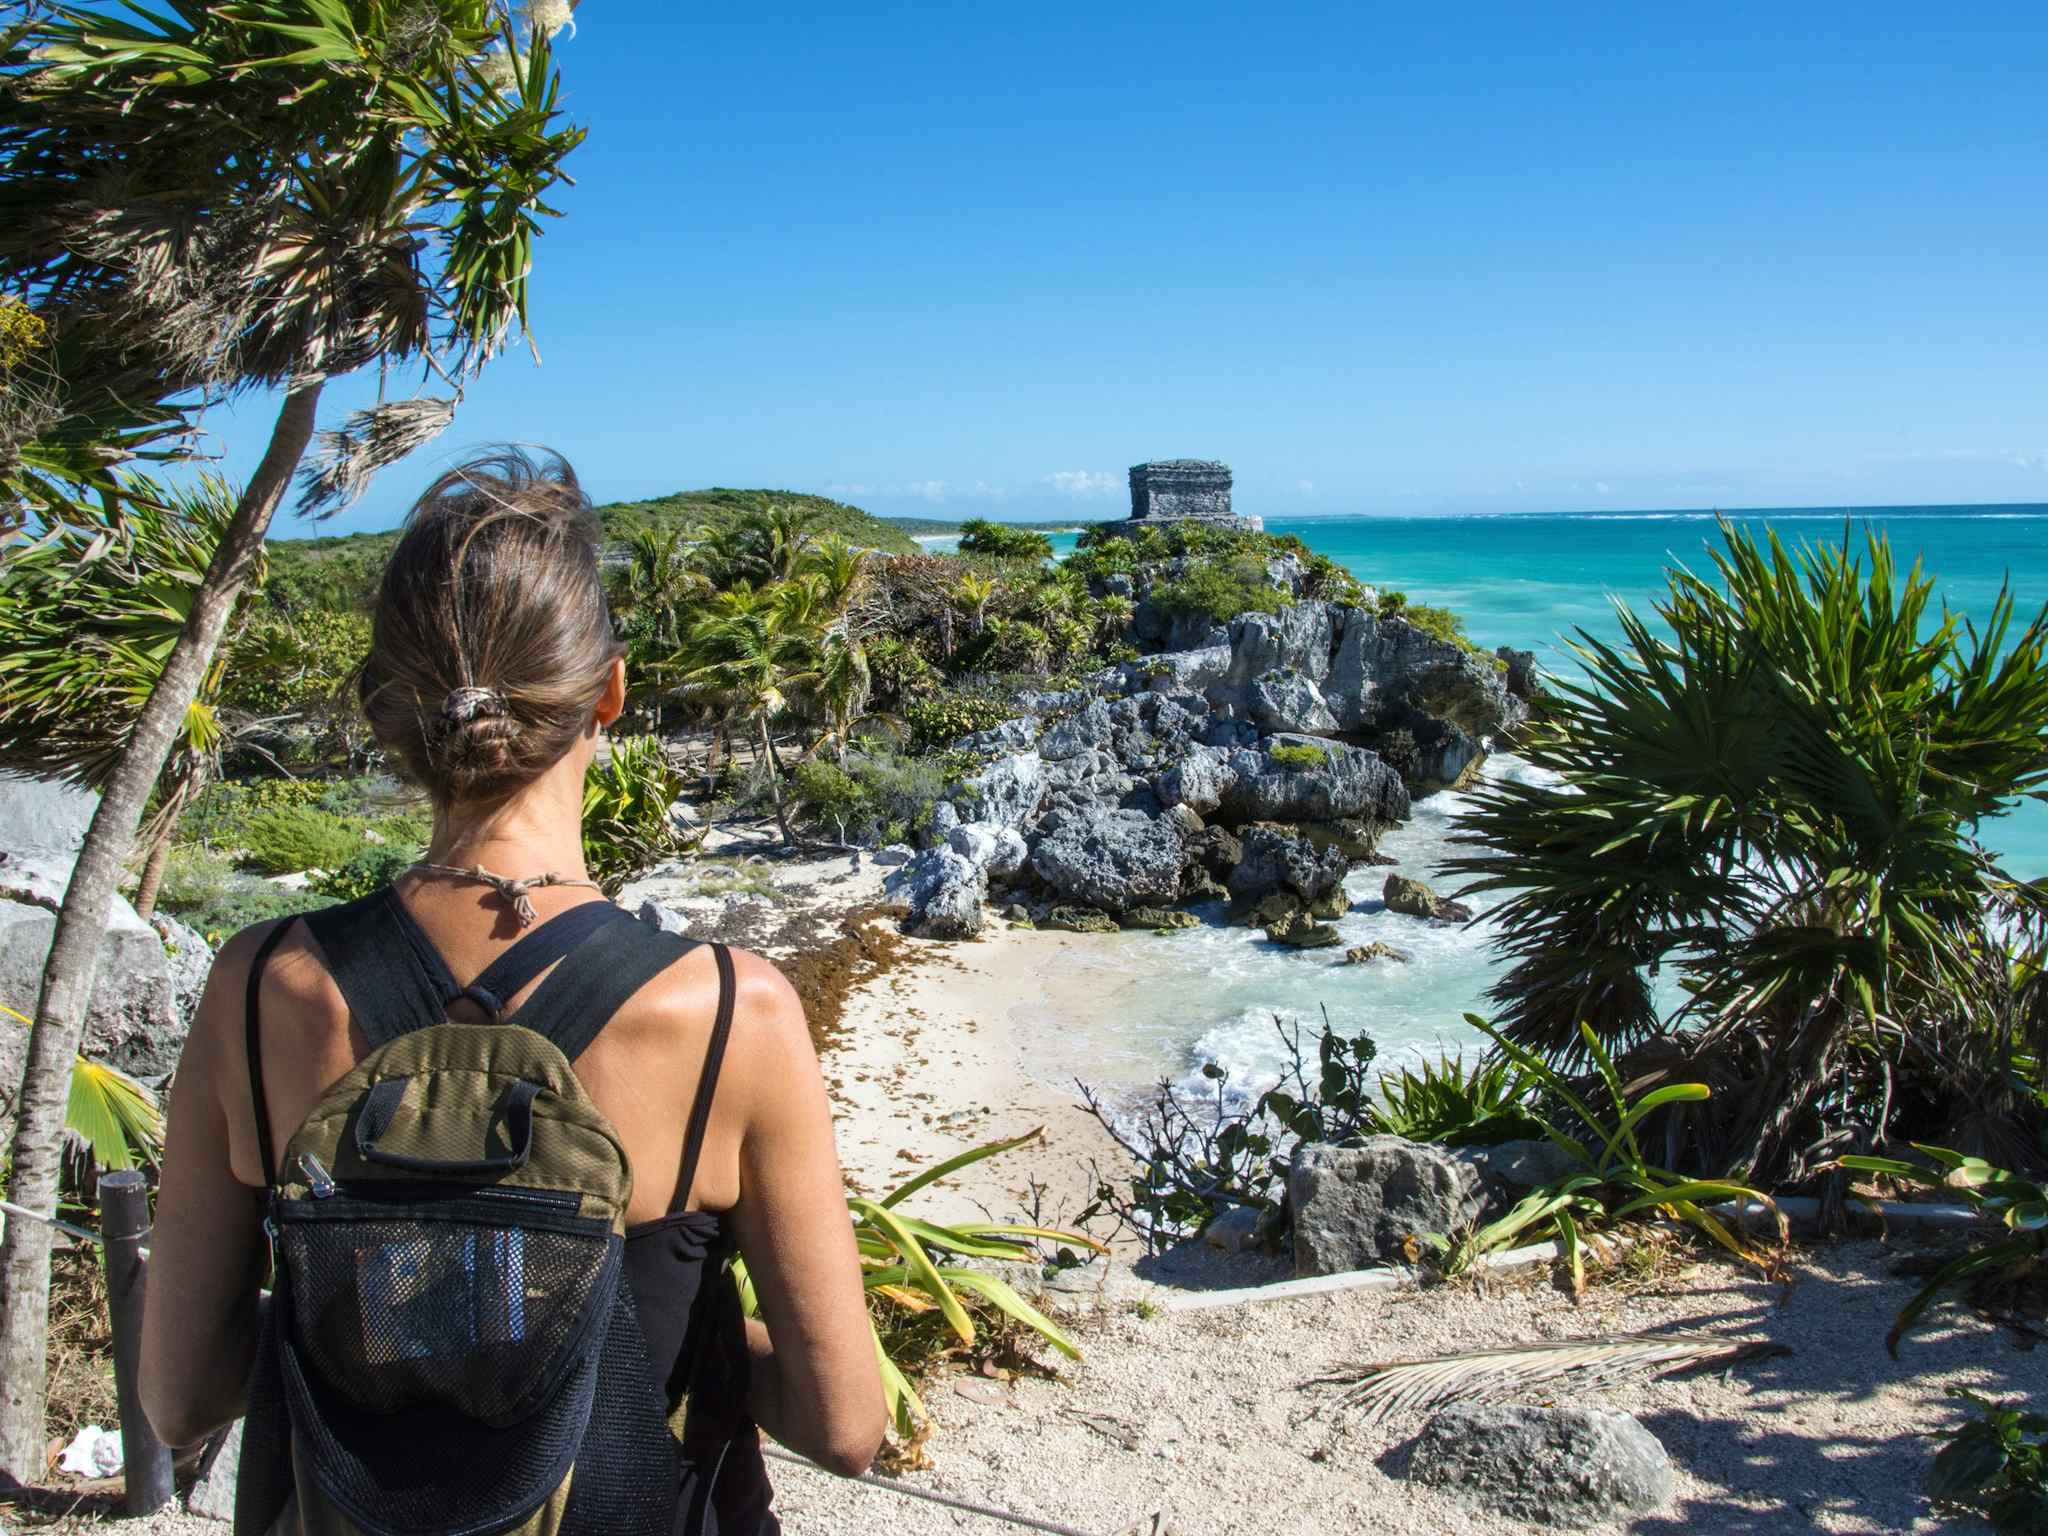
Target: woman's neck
{"x":539,"y":829}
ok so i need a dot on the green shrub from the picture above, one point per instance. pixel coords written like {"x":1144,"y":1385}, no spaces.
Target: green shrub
{"x":878,"y":797}
{"x":941,"y":717}
{"x":979,"y":536}
{"x":246,"y":902}
{"x":626,"y":822}
{"x":219,"y":814}
{"x":1222,"y":590}
{"x":1298,"y":756}
{"x":1997,"y":1465}
{"x":370,"y":870}
{"x":194,"y":877}
{"x":291,"y":838}
{"x":284,"y":664}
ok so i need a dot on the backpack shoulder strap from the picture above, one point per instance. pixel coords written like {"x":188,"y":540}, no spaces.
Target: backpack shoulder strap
{"x":390,"y":975}
{"x":560,"y":935}
{"x":580,"y":995}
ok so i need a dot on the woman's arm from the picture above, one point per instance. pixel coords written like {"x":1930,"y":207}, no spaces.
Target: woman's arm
{"x":815,"y":1383}
{"x":207,"y":1252}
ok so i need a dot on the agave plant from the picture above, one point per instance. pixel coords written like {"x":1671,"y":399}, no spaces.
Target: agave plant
{"x":626,"y":801}
{"x":1614,"y":1180}
{"x":1446,"y":1101}
{"x":913,"y":1266}
{"x":2019,"y":1205}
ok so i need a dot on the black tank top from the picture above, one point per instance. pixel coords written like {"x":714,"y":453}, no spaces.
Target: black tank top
{"x":675,"y":1266}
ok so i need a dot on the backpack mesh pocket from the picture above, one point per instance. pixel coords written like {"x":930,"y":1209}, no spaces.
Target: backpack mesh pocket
{"x":473,"y":1304}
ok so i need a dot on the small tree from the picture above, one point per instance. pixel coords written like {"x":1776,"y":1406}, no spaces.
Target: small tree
{"x":200,"y":200}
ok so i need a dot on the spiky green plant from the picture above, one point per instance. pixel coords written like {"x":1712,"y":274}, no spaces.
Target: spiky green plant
{"x":1772,"y":796}
{"x":911,"y":1267}
{"x":626,"y":810}
{"x":1613,"y":1181}
{"x":1443,"y":1100}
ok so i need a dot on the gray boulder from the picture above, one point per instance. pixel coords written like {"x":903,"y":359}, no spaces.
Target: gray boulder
{"x":944,"y":893}
{"x":1521,"y":1165}
{"x":997,"y":850}
{"x":1274,"y":859}
{"x":1296,"y":639}
{"x":657,"y":914}
{"x":1384,"y":666}
{"x":1355,"y":1207}
{"x":1554,"y":1466}
{"x":1178,"y":671}
{"x":1288,"y":701}
{"x":189,"y":960}
{"x":1010,"y":736}
{"x":1350,"y":781}
{"x":1007,"y":792}
{"x":1086,"y":730}
{"x":1199,"y":780}
{"x":142,"y":997}
{"x":1414,"y":899}
{"x":1113,"y":859}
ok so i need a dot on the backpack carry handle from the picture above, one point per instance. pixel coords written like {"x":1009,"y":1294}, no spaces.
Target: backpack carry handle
{"x":380,"y":1107}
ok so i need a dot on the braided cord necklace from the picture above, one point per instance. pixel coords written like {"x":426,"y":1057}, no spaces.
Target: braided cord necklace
{"x":512,"y":890}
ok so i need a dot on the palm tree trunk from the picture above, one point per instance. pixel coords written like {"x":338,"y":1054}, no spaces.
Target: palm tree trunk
{"x":153,"y":871}
{"x":711,"y":758}
{"x":774,"y":779}
{"x":73,"y":963}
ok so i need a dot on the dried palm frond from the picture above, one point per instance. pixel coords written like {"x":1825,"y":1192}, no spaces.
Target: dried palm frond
{"x":339,"y":468}
{"x":1484,"y":1375}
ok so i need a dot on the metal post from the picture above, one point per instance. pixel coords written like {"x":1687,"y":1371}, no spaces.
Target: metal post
{"x":124,"y":1223}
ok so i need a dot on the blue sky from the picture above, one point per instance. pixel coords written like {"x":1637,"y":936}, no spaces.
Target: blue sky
{"x":969,"y":261}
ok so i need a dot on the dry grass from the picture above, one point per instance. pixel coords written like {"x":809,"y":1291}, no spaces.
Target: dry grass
{"x":81,"y":1347}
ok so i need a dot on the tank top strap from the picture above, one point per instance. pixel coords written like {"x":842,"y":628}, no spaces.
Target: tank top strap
{"x":707,"y":1079}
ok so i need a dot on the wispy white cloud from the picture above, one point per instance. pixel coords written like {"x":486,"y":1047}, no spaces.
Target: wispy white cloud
{"x":1602,"y":488}
{"x":1306,"y":487}
{"x":929,"y":490}
{"x":837,"y":489}
{"x":1084,"y":482}
{"x":988,"y":492}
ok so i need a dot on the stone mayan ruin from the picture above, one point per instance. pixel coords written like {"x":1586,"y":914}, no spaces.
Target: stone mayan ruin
{"x":1181,"y":490}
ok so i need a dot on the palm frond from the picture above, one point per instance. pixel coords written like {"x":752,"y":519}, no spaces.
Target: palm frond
{"x":1491,"y":1375}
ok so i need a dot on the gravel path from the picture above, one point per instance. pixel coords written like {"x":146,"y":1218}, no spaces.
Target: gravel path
{"x":1196,"y":1417}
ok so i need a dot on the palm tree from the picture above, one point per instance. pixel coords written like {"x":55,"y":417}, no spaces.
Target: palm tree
{"x":742,"y":655}
{"x":1775,"y":799}
{"x":199,"y":200}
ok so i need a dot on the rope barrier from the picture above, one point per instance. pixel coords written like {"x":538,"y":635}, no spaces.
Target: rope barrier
{"x":51,"y":1221}
{"x":968,"y":1506}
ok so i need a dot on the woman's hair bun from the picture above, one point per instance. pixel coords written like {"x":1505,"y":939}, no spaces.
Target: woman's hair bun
{"x":492,"y":642}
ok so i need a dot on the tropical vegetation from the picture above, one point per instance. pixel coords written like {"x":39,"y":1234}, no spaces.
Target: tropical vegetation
{"x":1752,"y":861}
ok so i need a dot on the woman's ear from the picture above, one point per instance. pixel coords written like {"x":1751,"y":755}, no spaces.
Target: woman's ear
{"x":612,"y":702}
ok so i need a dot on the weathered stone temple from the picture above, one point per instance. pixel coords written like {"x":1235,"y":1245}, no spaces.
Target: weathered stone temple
{"x":1181,"y":490}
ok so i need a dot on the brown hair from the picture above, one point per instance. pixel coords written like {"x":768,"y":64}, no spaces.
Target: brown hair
{"x":492,"y":641}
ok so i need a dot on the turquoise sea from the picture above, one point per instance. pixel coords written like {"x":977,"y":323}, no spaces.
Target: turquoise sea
{"x":1520,"y":580}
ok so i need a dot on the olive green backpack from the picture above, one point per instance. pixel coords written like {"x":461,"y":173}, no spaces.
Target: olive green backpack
{"x":451,"y":1347}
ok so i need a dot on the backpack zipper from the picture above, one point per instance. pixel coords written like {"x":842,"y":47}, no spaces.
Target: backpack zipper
{"x":318,"y":1179}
